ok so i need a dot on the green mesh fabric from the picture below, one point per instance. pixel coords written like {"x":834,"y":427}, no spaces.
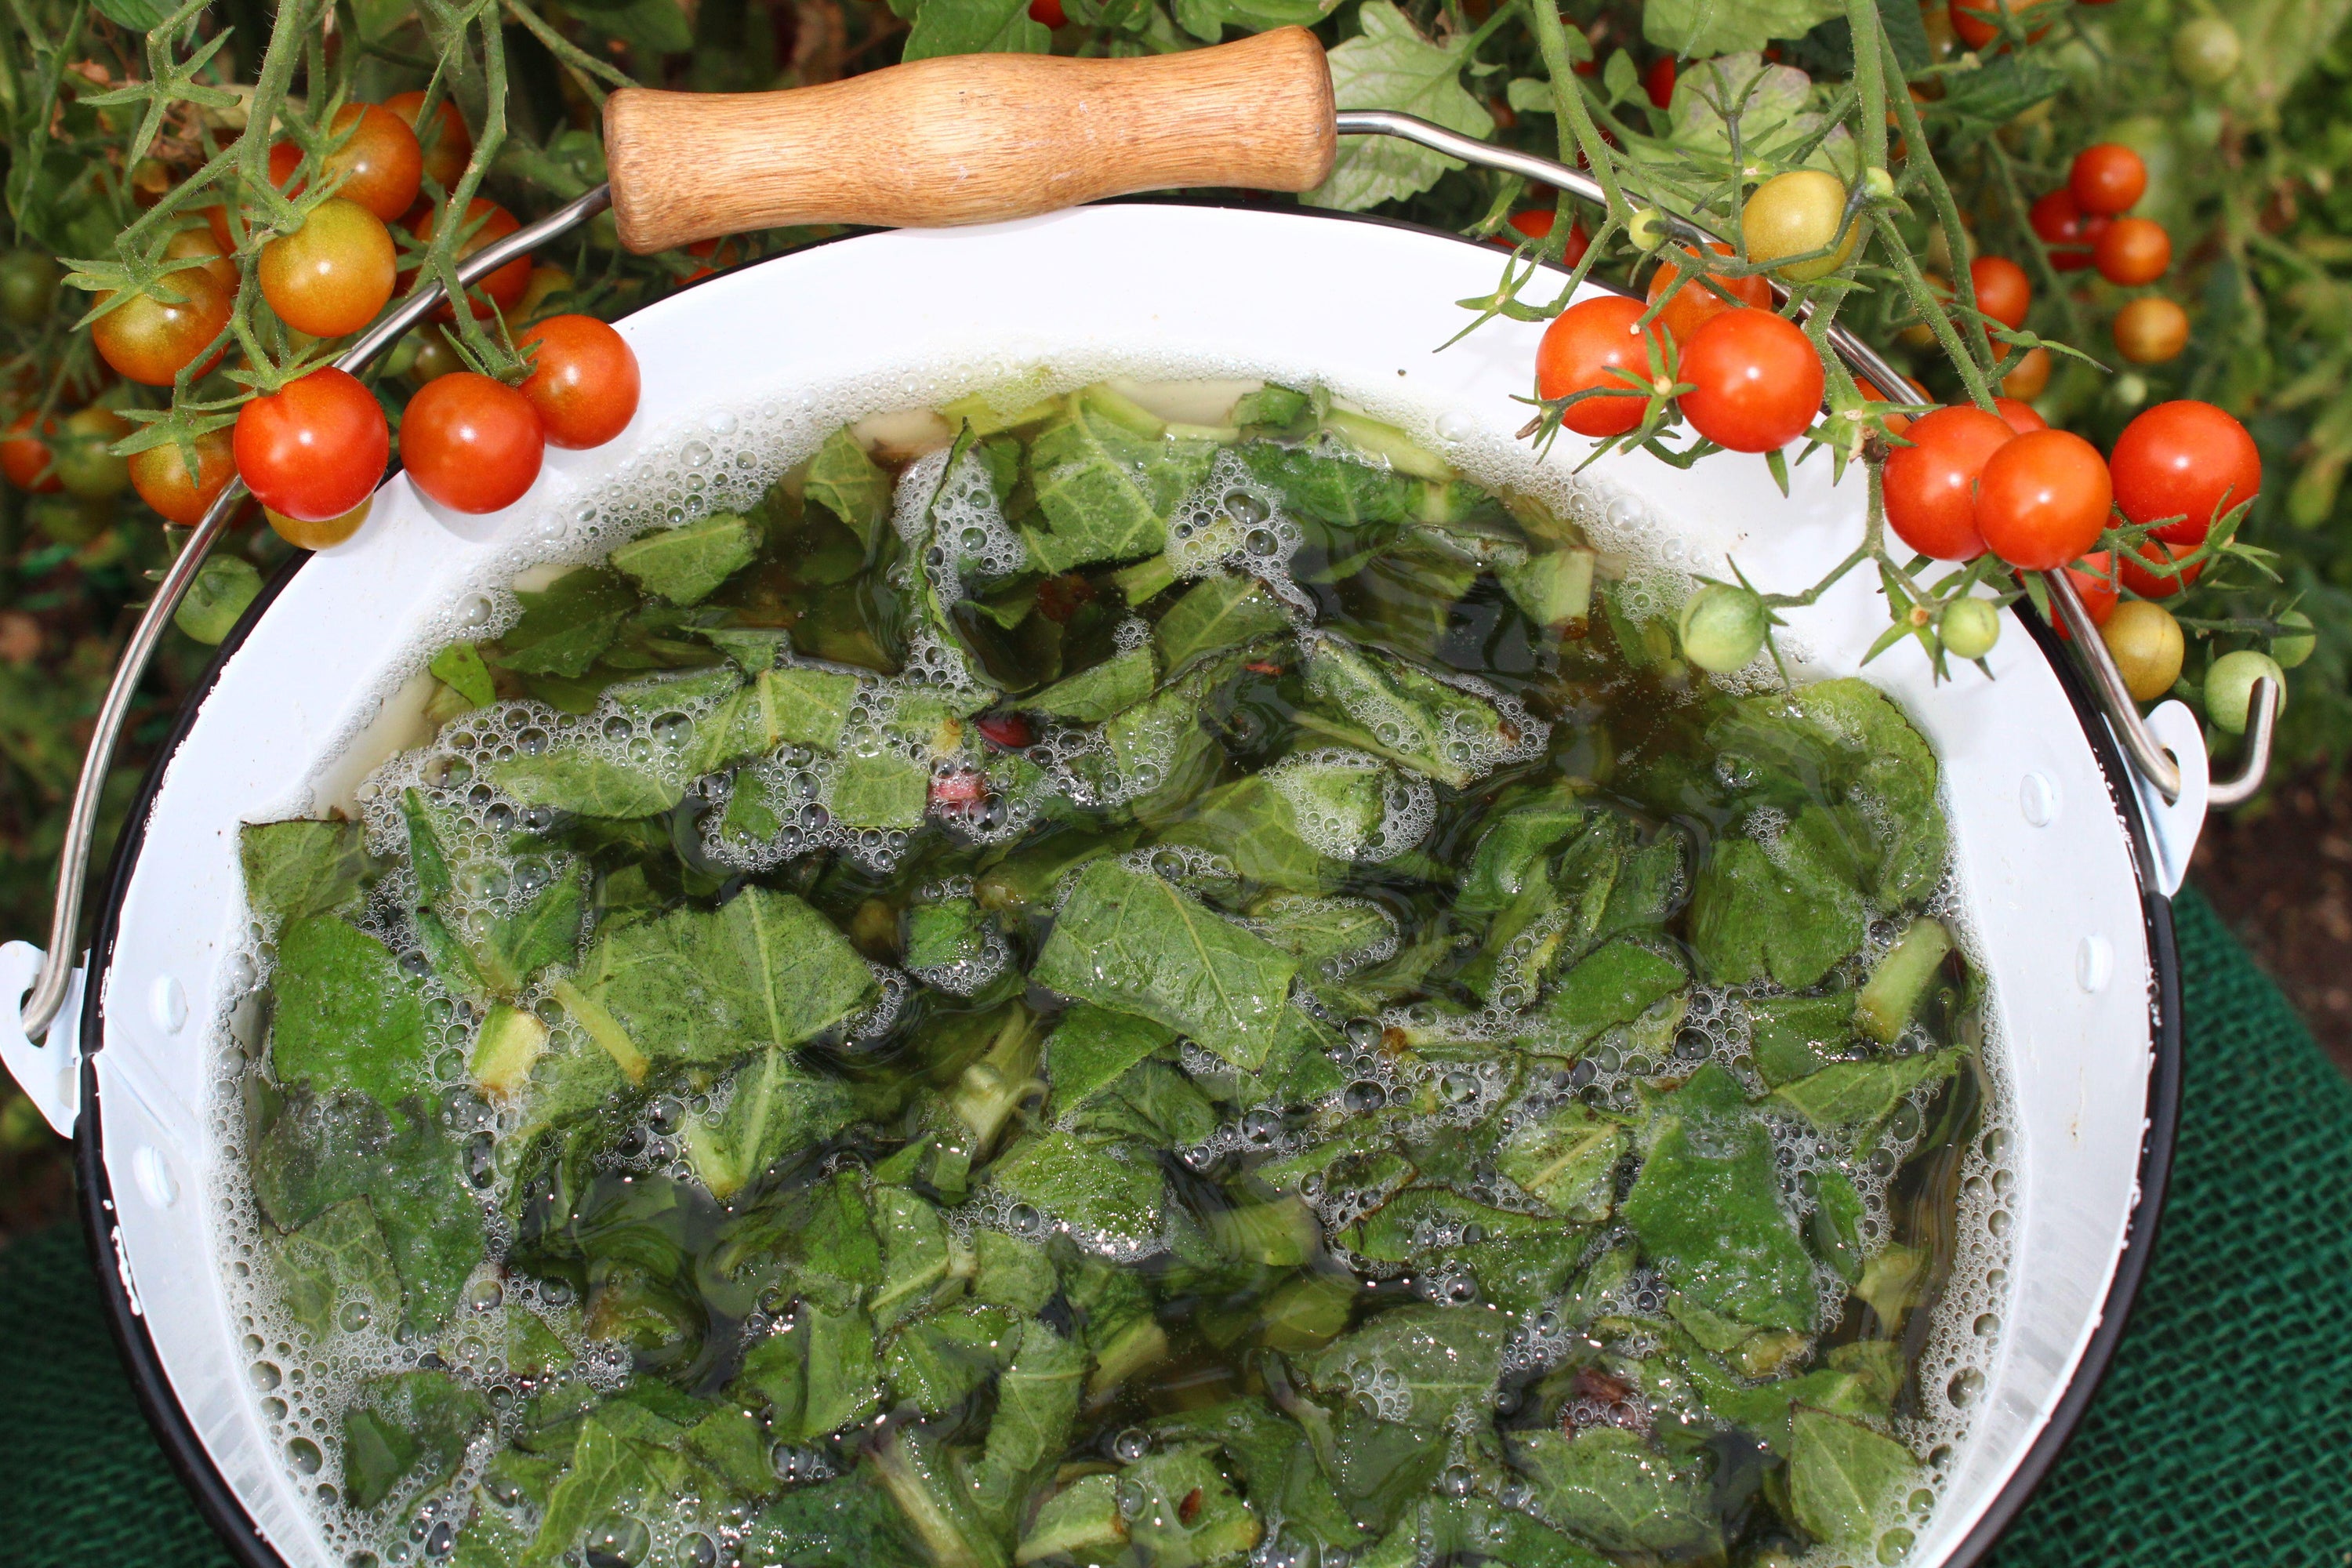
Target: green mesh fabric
{"x":2221,"y":1437}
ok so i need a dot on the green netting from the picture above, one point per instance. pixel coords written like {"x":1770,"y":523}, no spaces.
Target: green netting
{"x":2222,"y":1435}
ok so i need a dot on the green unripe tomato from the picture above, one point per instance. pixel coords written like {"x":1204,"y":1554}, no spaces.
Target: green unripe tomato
{"x":225,"y":585}
{"x":1722,"y":627}
{"x":2230,"y":687}
{"x":1969,"y":627}
{"x":2130,"y":389}
{"x":28,"y":286}
{"x":2291,"y":650}
{"x":1879,"y":183}
{"x":2206,"y":51}
{"x":84,"y":464}
{"x":1647,"y":229}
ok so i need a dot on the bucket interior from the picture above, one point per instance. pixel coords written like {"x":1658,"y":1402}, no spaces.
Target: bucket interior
{"x":310,"y":700}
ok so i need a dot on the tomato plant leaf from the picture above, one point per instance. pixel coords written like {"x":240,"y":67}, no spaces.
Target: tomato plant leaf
{"x":1390,"y":65}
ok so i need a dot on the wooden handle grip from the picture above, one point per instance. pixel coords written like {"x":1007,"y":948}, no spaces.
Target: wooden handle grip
{"x":968,"y":138}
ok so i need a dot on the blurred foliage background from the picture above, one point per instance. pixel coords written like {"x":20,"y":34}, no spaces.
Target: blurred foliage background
{"x":2251,"y":171}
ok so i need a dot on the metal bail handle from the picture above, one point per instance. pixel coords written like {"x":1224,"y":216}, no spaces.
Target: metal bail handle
{"x":54,"y":989}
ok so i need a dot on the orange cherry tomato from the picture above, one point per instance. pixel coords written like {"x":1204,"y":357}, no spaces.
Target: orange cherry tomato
{"x":2132,"y":251}
{"x":161,"y":476}
{"x":1978,"y":22}
{"x":1695,"y":304}
{"x":200,"y":242}
{"x":1598,"y":344}
{"x":584,"y":380}
{"x":2042,"y":500}
{"x":2029,"y":376}
{"x":442,"y":149}
{"x":26,"y":458}
{"x":2106,"y":179}
{"x":2003,"y":292}
{"x":503,"y":288}
{"x":380,"y":163}
{"x":1930,"y":486}
{"x":333,"y":274}
{"x":2019,"y":415}
{"x":2151,"y":329}
{"x":150,"y":340}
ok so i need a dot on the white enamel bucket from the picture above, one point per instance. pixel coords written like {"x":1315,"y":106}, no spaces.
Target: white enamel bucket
{"x":2054,"y":865}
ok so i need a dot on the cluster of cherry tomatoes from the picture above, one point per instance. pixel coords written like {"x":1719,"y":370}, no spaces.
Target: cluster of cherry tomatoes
{"x":313,"y":450}
{"x":1751,"y":379}
{"x":2087,"y":223}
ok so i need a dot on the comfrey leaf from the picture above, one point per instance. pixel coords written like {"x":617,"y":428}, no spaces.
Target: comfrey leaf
{"x":686,"y":564}
{"x":1400,"y":712}
{"x":763,"y":970}
{"x":1707,"y":1207}
{"x":1095,"y":694}
{"x":301,"y":868}
{"x":1611,"y":1487}
{"x":1841,"y":1474}
{"x":1391,"y":65}
{"x":1217,"y":613}
{"x":348,"y":1019}
{"x":1444,"y":1358}
{"x":337,"y":1272}
{"x":842,"y":479}
{"x":774,"y":1108}
{"x":573,"y":779}
{"x":1128,"y":940}
{"x":1108,"y":484}
{"x":1120,"y":1196}
{"x":565,"y":627}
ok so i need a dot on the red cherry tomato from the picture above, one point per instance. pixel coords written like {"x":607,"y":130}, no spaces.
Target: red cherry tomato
{"x":1756,"y":382}
{"x":451,"y":143}
{"x":1536,"y":223}
{"x":2184,"y":460}
{"x":1658,"y":81}
{"x":1048,"y":12}
{"x":584,"y":381}
{"x":2003,"y":292}
{"x":2094,"y":587}
{"x":1695,"y":304}
{"x":504,"y":287}
{"x":2068,"y":231}
{"x":1978,"y":22}
{"x":333,"y":274}
{"x":284,"y":159}
{"x":149,"y":339}
{"x":1597,"y":343}
{"x":1931,"y":485}
{"x":2106,"y":179}
{"x":2158,"y":578}
{"x":2042,"y":500}
{"x":471,"y":443}
{"x":2133,"y":250}
{"x":315,"y":448}
{"x":161,"y":476}
{"x":2018,"y":417}
{"x":26,"y":458}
